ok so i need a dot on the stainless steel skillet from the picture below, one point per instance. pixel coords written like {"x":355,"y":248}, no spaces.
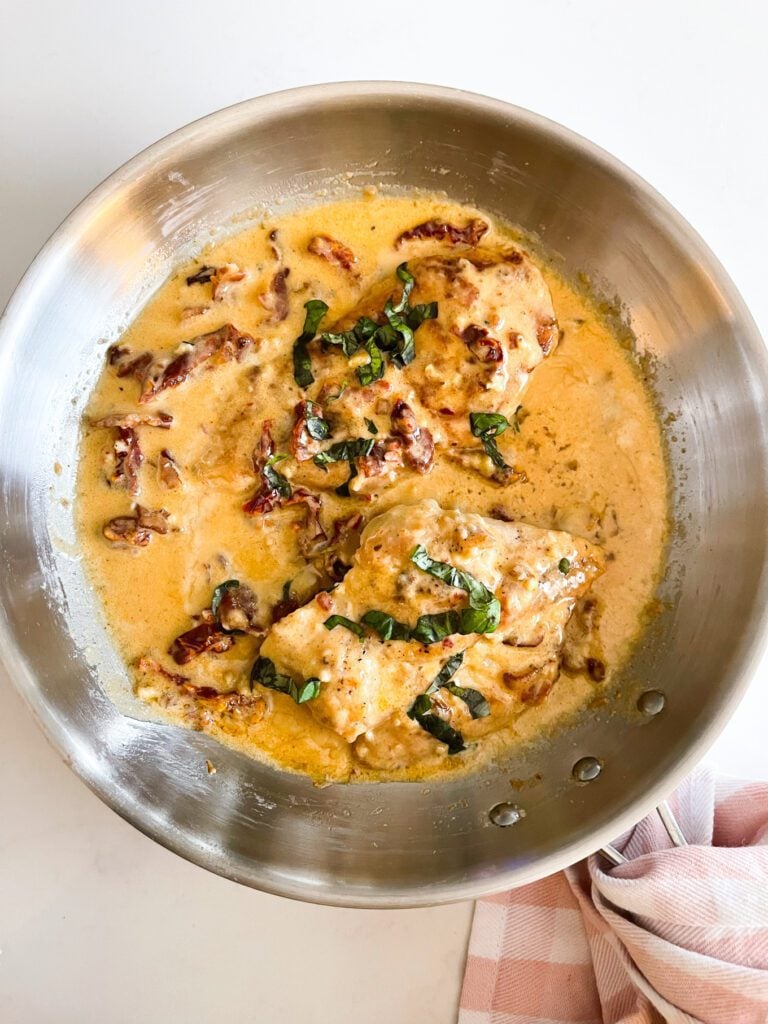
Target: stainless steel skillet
{"x":389,"y":845}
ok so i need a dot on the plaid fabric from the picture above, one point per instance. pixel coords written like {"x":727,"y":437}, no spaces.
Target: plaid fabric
{"x":675,"y":935}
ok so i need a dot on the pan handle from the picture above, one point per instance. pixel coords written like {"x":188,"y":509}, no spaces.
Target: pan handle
{"x":668,"y":820}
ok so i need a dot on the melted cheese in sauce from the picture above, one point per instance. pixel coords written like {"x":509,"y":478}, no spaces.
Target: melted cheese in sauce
{"x":589,"y":444}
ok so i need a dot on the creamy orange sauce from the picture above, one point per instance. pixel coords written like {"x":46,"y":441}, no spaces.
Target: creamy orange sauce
{"x":589,"y":444}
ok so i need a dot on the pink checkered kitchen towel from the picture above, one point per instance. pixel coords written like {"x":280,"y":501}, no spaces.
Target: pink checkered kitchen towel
{"x":676,"y":934}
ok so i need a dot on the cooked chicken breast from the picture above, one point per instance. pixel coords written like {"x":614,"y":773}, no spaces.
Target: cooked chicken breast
{"x":495,"y":324}
{"x":536,"y":576}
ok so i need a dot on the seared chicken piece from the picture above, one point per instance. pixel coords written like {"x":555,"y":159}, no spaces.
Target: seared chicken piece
{"x":495,"y":324}
{"x":536,"y":576}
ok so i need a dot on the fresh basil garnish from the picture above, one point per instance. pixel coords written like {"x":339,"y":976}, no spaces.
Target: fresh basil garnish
{"x":488,"y":426}
{"x":373,"y":370}
{"x":431,"y":628}
{"x":443,"y":732}
{"x":464,"y":621}
{"x":449,"y":668}
{"x":421,"y":706}
{"x":265,"y":673}
{"x":317,"y":427}
{"x":340,"y":620}
{"x":276,"y":481}
{"x":482,"y":615}
{"x":335,"y":397}
{"x":418,"y":314}
{"x":307,"y":690}
{"x":373,"y":429}
{"x":421,"y":712}
{"x":302,"y":362}
{"x":347,"y":340}
{"x":219,"y":592}
{"x":387,"y":627}
{"x":395,"y":336}
{"x":218,"y":595}
{"x":422,"y":709}
{"x":475,"y":701}
{"x":345,"y":451}
{"x":479,"y":594}
{"x":408,"y":282}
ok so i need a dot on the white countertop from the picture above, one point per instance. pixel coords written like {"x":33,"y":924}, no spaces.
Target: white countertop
{"x":97,"y":923}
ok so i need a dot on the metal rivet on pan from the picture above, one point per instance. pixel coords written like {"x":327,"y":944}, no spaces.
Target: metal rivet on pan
{"x":506,"y":814}
{"x":587,"y":769}
{"x":651,"y":702}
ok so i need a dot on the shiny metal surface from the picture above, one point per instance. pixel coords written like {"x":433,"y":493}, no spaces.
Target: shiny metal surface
{"x":670,"y":823}
{"x":392,"y":845}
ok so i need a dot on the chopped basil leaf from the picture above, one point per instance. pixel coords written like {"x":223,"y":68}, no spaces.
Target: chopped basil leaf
{"x":276,"y":480}
{"x":340,"y":620}
{"x":493,"y":453}
{"x":302,"y":363}
{"x":422,"y":713}
{"x":373,"y":370}
{"x":307,"y":690}
{"x":479,"y":594}
{"x":317,"y":427}
{"x":464,"y":621}
{"x":348,"y":341}
{"x":387,"y":627}
{"x":265,"y":673}
{"x":482,"y":615}
{"x":475,"y":701}
{"x":435,"y":726}
{"x":421,"y":706}
{"x":277,"y":457}
{"x":371,"y":426}
{"x":487,"y":424}
{"x":449,"y":668}
{"x":479,"y":620}
{"x":564,"y":566}
{"x":431,"y":628}
{"x":406,"y":351}
{"x":408,"y":282}
{"x":216,"y":600}
{"x":345,"y":451}
{"x":219,"y":592}
{"x":387,"y":338}
{"x":316,"y":310}
{"x":287,"y":590}
{"x":334,"y":398}
{"x":365,"y":328}
{"x":418,"y":314}
{"x":394,"y":336}
{"x":443,"y":732}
